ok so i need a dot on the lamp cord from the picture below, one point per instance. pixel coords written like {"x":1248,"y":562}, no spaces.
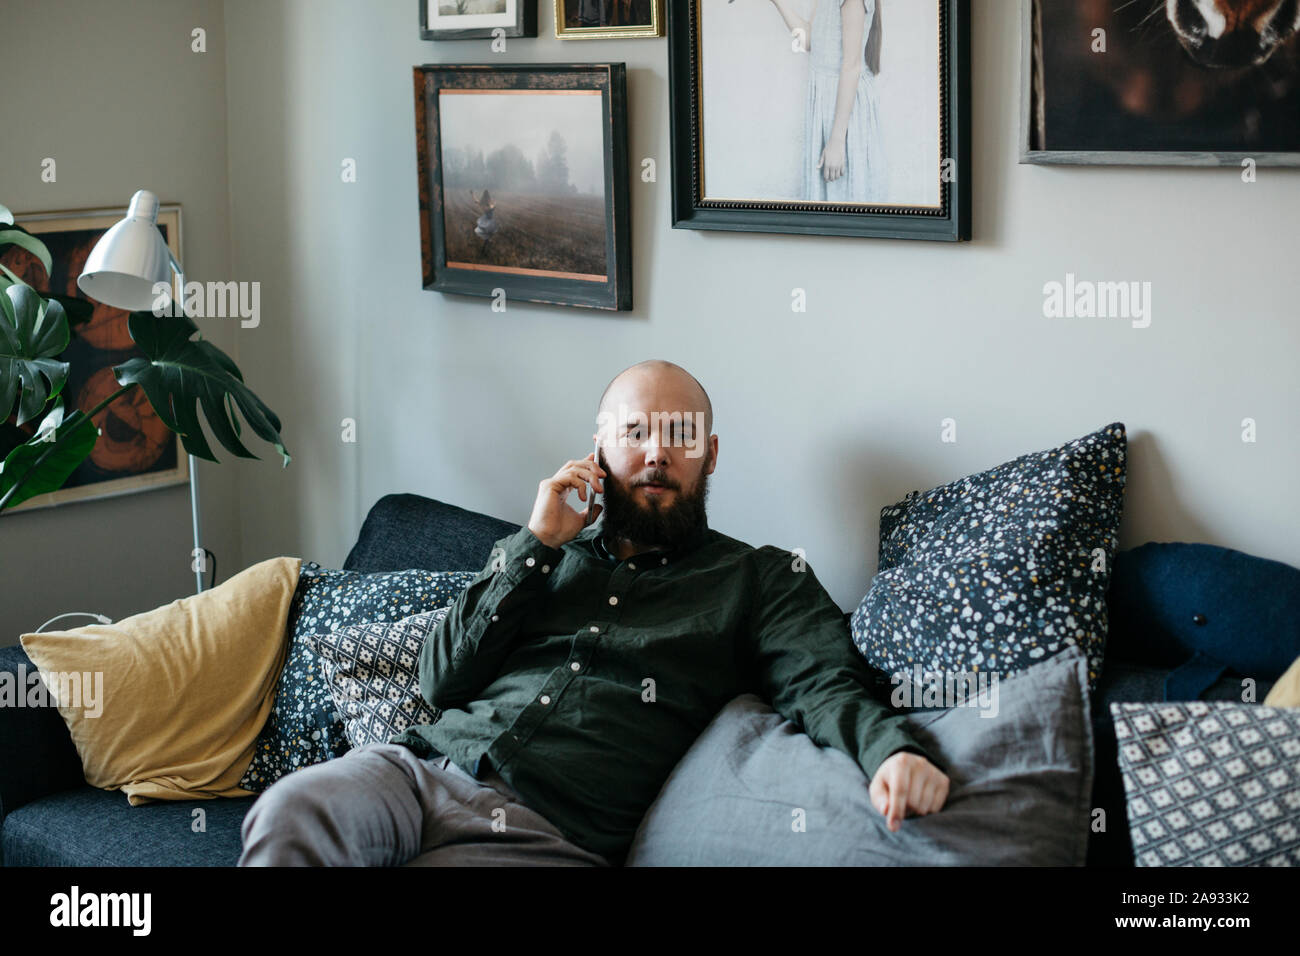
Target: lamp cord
{"x":101,"y":618}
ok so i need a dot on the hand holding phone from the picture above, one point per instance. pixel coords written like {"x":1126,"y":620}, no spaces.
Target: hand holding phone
{"x":553,"y":521}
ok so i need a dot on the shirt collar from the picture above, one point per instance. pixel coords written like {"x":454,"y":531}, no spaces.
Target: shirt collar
{"x":593,"y":541}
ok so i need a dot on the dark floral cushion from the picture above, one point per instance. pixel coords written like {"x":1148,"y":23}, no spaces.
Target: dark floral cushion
{"x":373,"y":672}
{"x":997,"y":571}
{"x":304,"y":727}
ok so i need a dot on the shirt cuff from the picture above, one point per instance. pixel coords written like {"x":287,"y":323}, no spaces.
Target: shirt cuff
{"x":526,"y":554}
{"x":888,"y":745}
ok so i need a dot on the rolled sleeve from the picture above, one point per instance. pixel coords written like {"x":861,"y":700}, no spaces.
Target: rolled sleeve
{"x":465,"y":651}
{"x":809,"y":669}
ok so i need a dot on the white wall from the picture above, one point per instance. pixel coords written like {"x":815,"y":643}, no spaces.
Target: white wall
{"x":114,"y":94}
{"x":823,"y":418}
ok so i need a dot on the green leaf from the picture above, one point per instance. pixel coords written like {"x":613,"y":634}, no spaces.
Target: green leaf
{"x":42,"y":464}
{"x":177,"y":372}
{"x":6,"y":217}
{"x":20,"y":237}
{"x":32,"y":333}
{"x":12,"y":276}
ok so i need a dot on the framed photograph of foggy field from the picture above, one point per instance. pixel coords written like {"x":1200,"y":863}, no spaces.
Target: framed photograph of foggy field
{"x":477,"y":19}
{"x":823,"y":117}
{"x":523,"y":182}
{"x":1150,"y":82}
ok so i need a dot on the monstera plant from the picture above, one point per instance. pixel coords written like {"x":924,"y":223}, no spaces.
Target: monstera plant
{"x":177,"y":372}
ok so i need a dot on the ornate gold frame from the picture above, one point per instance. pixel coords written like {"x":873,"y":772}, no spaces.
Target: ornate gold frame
{"x":655,"y":29}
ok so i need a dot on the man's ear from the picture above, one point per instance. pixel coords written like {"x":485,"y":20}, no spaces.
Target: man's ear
{"x":713,"y":454}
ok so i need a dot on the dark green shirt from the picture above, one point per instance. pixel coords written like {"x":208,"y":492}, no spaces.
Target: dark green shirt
{"x":583,"y":679}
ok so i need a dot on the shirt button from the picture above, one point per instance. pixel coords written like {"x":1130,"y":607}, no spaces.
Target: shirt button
{"x":546,"y":699}
{"x":530,"y":562}
{"x":663,"y":560}
{"x":631,"y":565}
{"x":496,"y":617}
{"x":595,"y":629}
{"x":575,"y":666}
{"x":613,"y":599}
{"x":546,"y":568}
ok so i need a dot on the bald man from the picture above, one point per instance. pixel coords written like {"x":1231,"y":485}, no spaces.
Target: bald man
{"x":580,"y":665}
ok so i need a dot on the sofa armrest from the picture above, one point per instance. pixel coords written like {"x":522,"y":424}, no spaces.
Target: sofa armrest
{"x":36,"y":752}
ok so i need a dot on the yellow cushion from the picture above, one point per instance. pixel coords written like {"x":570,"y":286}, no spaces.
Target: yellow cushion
{"x":186,"y":687}
{"x":1286,"y":692}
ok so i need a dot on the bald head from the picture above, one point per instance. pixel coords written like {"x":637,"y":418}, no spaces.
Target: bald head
{"x":650,"y":379}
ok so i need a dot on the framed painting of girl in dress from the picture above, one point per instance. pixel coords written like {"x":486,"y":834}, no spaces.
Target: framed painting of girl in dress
{"x":775,"y":128}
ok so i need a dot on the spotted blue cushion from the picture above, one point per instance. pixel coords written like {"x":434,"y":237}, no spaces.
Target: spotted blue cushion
{"x":304,"y":727}
{"x":1000,"y":570}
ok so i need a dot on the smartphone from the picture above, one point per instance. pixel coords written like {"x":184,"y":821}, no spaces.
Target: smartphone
{"x":591,"y":491}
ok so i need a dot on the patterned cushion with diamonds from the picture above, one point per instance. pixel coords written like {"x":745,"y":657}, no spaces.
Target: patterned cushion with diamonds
{"x":373,"y":671}
{"x":1211,"y":783}
{"x":304,"y":727}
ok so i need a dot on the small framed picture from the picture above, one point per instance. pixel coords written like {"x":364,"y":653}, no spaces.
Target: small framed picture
{"x":135,"y":450}
{"x":608,"y":19}
{"x":523,"y":182}
{"x":848,"y":118}
{"x":476,"y":19}
{"x":1210,"y":83}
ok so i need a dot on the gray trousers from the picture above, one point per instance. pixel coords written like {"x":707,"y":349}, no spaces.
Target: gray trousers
{"x":381,"y":805}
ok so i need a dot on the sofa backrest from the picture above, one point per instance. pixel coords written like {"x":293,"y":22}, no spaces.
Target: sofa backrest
{"x":411,"y":531}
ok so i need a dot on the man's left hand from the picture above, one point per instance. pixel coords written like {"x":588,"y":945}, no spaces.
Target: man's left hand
{"x":907,"y":782}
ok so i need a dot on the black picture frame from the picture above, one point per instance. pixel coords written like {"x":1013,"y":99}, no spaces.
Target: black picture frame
{"x":610,"y":81}
{"x":950,"y":222}
{"x":525,"y":24}
{"x":1035,"y":151}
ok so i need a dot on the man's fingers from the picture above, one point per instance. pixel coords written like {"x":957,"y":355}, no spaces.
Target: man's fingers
{"x":897,"y":797}
{"x":916,"y":791}
{"x":589,"y":470}
{"x":877,"y":792}
{"x":562,"y":483}
{"x":929,"y":789}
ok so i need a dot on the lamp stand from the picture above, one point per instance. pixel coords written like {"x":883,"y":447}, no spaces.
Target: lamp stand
{"x":199,"y":554}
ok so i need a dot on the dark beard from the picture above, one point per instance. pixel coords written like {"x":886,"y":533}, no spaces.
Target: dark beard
{"x":652,"y":525}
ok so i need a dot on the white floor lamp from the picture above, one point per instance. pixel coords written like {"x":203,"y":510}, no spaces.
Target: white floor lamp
{"x":121,"y":271}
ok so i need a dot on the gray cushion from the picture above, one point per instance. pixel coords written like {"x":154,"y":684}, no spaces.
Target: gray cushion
{"x":1019,"y":794}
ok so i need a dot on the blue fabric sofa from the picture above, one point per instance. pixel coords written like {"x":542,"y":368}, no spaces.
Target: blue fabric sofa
{"x":49,"y":816}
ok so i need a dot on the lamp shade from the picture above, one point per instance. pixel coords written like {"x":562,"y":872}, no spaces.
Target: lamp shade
{"x":129,"y":259}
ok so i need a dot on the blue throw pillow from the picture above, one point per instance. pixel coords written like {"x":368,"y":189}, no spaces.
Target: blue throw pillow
{"x":304,"y":727}
{"x":1202,"y":610}
{"x":1000,"y":570}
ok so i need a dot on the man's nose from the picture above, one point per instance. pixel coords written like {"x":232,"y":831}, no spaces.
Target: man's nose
{"x":656,"y":452}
